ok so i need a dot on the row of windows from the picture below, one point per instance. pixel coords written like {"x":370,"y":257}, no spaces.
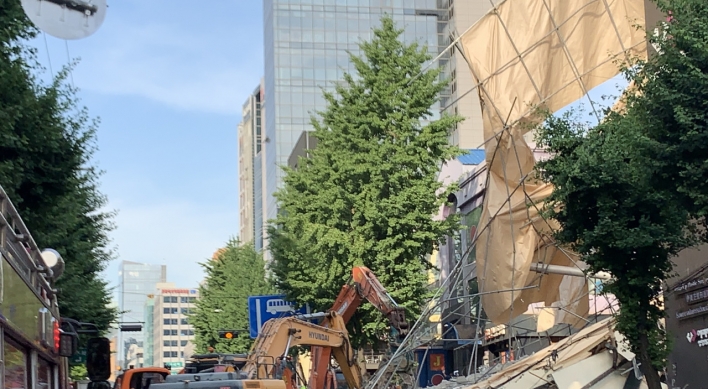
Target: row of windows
{"x":180,"y":332}
{"x":174,"y":343}
{"x":173,"y":354}
{"x":173,"y":322}
{"x":174,"y":311}
{"x":18,"y":366}
{"x":174,"y":299}
{"x":319,"y":4}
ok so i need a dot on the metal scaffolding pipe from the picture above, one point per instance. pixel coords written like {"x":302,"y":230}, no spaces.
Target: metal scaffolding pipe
{"x":566,"y":270}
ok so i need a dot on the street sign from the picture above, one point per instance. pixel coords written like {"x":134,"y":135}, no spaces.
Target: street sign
{"x":79,"y":358}
{"x":263,"y":308}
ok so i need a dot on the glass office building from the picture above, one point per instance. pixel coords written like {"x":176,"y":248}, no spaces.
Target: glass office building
{"x":138,"y":282}
{"x":306,"y":43}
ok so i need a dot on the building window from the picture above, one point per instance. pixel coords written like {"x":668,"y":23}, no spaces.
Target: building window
{"x":44,"y":374}
{"x":169,"y":311}
{"x":173,"y":354}
{"x":185,"y":311}
{"x":15,"y":366}
{"x":166,"y":343}
{"x":173,"y":332}
{"x":184,"y":343}
{"x":166,"y":354}
{"x":166,"y":332}
{"x":192,"y":299}
{"x":166,"y":299}
{"x":184,"y":321}
{"x":187,"y":332}
{"x":169,"y":321}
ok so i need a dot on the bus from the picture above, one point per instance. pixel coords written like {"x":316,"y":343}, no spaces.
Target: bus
{"x":34,"y":350}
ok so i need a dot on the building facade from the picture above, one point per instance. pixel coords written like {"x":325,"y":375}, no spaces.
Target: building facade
{"x":462,"y":97}
{"x":171,"y":329}
{"x":250,"y":174}
{"x":137,"y":282}
{"x":149,"y":349}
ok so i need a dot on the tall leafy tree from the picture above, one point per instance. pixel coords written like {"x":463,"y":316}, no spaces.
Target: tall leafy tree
{"x":46,"y":145}
{"x":367,"y":193}
{"x":630,"y":193}
{"x":236,"y":273}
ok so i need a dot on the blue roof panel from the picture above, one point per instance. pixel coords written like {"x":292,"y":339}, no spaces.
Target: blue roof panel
{"x":472,"y":157}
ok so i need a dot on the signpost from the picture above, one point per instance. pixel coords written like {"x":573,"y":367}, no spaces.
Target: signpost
{"x":173,"y":365}
{"x":79,"y":358}
{"x":264,"y":308}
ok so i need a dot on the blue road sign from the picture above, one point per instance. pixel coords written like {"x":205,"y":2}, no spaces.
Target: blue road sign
{"x":263,"y":308}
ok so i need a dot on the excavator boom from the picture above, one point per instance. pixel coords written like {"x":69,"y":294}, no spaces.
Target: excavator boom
{"x":364,"y":285}
{"x":269,"y":352}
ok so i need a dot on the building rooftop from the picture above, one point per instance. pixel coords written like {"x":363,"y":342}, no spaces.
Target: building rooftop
{"x":472,"y":157}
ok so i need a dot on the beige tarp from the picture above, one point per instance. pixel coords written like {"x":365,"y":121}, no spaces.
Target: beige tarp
{"x":523,"y":54}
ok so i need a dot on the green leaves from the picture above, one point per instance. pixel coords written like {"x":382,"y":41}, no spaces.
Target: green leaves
{"x":46,"y":144}
{"x":631,"y":189}
{"x":367,"y":194}
{"x":238,"y":272}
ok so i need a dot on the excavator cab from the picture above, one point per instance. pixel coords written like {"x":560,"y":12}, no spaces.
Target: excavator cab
{"x":141,"y":378}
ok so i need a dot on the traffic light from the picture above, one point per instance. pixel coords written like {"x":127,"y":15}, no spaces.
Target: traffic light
{"x":228,"y":334}
{"x":131,"y":327}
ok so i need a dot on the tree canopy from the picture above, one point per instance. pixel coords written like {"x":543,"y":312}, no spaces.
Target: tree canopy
{"x":367,"y":193}
{"x":236,"y":273}
{"x":630,"y":192}
{"x":46,"y":148}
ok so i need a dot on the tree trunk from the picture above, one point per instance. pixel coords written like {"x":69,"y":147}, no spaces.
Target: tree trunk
{"x":650,"y":374}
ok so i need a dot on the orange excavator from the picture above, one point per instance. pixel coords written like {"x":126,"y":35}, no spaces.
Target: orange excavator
{"x":363,"y":285}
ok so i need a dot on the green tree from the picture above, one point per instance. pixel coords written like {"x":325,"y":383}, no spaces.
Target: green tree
{"x":670,"y":106}
{"x":367,"y":193}
{"x":630,"y":193}
{"x":78,"y":373}
{"x":236,"y":273}
{"x":47,"y":142}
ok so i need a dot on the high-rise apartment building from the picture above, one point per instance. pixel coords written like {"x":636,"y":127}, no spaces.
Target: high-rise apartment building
{"x":462,"y":97}
{"x":137,"y":282}
{"x":171,"y":329}
{"x":250,"y":172}
{"x":148,"y":343}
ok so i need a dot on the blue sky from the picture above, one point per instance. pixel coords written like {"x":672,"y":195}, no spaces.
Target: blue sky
{"x":168,"y":78}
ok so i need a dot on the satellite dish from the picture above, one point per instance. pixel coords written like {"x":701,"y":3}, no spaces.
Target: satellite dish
{"x":54,"y":261}
{"x":66,"y":19}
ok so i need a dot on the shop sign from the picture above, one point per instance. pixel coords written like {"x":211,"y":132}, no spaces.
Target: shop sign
{"x":437,"y":361}
{"x":691,"y":285}
{"x":697,"y":296}
{"x":698,"y":336}
{"x":179,"y":291}
{"x":703,"y":309}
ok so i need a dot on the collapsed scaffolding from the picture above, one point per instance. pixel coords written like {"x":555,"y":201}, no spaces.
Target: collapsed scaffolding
{"x":527,"y":55}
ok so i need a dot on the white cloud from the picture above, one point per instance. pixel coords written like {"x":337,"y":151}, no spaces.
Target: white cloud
{"x":196,"y":70}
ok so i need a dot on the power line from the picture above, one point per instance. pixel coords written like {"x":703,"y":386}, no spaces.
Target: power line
{"x":49,"y":57}
{"x":68,"y":59}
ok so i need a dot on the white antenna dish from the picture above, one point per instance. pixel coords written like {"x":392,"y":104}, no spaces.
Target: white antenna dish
{"x":54,"y":261}
{"x":66,"y":19}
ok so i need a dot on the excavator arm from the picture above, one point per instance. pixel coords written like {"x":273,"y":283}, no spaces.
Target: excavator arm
{"x":269,"y":352}
{"x":363,"y":286}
